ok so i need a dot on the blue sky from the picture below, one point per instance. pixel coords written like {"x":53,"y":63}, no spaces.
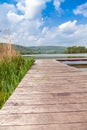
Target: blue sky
{"x":66,"y":14}
{"x":44,"y":22}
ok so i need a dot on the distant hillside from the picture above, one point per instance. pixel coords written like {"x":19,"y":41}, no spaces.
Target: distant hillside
{"x":39,"y":49}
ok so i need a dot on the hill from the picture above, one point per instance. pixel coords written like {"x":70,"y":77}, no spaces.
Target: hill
{"x":39,"y":49}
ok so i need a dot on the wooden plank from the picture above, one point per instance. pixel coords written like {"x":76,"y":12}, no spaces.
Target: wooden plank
{"x":51,"y":96}
{"x":54,"y":101}
{"x":58,"y":108}
{"x":53,"y":88}
{"x":43,"y":118}
{"x":75,"y":126}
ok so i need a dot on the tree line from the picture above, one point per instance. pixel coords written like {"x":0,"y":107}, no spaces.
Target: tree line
{"x":76,"y":49}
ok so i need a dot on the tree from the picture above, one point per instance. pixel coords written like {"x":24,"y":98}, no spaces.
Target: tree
{"x":76,"y":49}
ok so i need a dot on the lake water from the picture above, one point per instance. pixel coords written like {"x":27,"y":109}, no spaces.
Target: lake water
{"x":51,"y":56}
{"x":75,"y":62}
{"x":82,"y":65}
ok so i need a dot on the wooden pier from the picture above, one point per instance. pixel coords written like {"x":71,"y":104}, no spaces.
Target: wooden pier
{"x":51,"y":96}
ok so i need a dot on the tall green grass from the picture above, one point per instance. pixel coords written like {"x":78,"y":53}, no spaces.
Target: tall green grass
{"x":11,"y":72}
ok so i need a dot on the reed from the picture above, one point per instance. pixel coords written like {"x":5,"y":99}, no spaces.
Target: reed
{"x":13,"y":67}
{"x":7,"y":50}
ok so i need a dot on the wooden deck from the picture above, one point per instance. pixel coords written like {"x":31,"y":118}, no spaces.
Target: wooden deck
{"x":52,"y":96}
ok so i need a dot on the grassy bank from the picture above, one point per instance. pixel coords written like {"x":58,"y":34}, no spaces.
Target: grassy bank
{"x":11,"y":72}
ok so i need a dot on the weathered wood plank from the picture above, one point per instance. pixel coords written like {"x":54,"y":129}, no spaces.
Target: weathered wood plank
{"x":48,"y":95}
{"x":75,"y":126}
{"x":58,"y":108}
{"x":43,"y":118}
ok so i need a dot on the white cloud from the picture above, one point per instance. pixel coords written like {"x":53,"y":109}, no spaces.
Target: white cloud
{"x":4,"y":9}
{"x":29,"y":10}
{"x":81,"y":9}
{"x":68,"y":27}
{"x":20,"y":7}
{"x":67,"y":34}
{"x":34,"y":8}
{"x":57,"y":4}
{"x":27,"y":27}
{"x":13,"y":17}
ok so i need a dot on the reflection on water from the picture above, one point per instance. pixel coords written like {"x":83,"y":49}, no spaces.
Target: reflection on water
{"x":82,"y":65}
{"x":75,"y":62}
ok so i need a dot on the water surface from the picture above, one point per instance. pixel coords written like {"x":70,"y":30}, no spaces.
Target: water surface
{"x":51,"y":56}
{"x":82,"y":65}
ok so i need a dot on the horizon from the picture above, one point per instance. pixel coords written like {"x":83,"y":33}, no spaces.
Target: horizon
{"x":44,"y":22}
{"x":45,"y":45}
